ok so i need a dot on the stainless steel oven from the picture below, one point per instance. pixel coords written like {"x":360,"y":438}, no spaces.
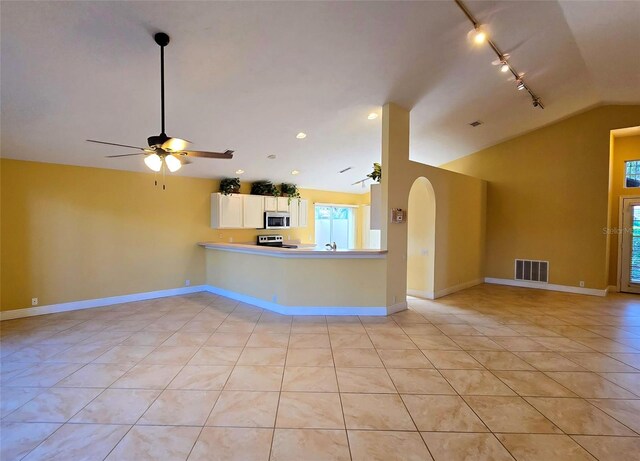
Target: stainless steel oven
{"x":276,"y":220}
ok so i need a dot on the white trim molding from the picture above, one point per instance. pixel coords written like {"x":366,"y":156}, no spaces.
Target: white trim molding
{"x":98,"y":302}
{"x":420,"y":293}
{"x":547,"y":286}
{"x":397,"y":307}
{"x":274,"y":307}
{"x":302,"y":310}
{"x":458,"y":287}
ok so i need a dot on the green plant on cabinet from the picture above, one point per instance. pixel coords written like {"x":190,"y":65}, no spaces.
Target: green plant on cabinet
{"x":264,"y":188}
{"x":229,"y":186}
{"x":289,"y":190}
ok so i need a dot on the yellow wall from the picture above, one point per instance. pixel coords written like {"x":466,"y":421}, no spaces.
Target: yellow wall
{"x":623,"y":149}
{"x":73,"y":233}
{"x":460,"y":214}
{"x":548,"y":196}
{"x":299,"y":281}
{"x":421,"y":238}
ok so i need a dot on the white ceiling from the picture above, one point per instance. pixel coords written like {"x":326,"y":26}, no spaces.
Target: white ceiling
{"x":249,"y":76}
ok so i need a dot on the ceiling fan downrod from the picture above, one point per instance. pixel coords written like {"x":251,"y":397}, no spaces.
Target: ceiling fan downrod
{"x":163,"y":40}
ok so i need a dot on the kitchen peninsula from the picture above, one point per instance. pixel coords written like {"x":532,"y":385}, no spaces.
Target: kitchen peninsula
{"x":299,"y":281}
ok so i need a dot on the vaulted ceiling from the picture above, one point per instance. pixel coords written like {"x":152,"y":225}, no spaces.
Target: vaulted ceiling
{"x":250,"y":75}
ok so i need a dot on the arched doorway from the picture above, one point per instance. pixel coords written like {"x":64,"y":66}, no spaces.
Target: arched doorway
{"x":421,"y":237}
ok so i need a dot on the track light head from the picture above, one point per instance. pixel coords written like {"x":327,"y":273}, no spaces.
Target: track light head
{"x":537,"y":102}
{"x":520,"y":85}
{"x":478,"y":35}
{"x":504,"y":66}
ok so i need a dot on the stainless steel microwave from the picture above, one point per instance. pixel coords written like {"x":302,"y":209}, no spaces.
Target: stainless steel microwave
{"x":276,"y":220}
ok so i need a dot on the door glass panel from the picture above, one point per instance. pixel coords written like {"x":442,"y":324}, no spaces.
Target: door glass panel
{"x":335,"y":224}
{"x":635,"y":244}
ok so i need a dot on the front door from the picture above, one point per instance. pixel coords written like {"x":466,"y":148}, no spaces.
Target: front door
{"x":630,"y":245}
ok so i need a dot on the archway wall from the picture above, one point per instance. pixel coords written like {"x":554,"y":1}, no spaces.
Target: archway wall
{"x":421,"y":233}
{"x":460,"y":215}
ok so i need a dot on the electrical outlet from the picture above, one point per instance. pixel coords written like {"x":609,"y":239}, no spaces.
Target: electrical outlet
{"x":187,"y":283}
{"x":34,"y":301}
{"x":581,"y":283}
{"x":219,"y":236}
{"x":230,"y":239}
{"x":394,"y":299}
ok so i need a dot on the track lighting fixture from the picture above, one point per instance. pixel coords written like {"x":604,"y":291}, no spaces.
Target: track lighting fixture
{"x":480,"y":36}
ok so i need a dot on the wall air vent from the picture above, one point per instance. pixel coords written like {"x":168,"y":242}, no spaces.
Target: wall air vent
{"x":531,"y":270}
{"x":476,"y":123}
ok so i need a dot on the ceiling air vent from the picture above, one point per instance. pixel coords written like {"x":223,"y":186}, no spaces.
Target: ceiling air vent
{"x":476,"y":123}
{"x":531,"y":270}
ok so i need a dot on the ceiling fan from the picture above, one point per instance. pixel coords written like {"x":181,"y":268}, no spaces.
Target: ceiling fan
{"x":164,"y":150}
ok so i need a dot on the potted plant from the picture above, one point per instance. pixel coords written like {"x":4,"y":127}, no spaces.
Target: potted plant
{"x":229,"y":186}
{"x":264,"y":188}
{"x":289,"y":190}
{"x":376,"y":174}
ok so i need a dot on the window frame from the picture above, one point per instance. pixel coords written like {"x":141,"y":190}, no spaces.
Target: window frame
{"x":636,"y":176}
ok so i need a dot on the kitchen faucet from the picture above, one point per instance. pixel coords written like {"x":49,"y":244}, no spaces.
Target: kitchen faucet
{"x":332,"y":246}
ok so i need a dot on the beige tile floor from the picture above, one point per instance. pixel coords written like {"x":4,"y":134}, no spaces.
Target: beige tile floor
{"x":490,"y":373}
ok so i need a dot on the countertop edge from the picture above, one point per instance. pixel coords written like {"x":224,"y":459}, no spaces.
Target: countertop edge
{"x":294,"y":253}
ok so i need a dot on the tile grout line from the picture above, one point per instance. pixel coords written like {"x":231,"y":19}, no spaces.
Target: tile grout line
{"x":275,"y":419}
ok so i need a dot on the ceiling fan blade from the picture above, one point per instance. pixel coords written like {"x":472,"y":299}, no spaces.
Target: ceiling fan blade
{"x":184,"y":160}
{"x":197,"y":153}
{"x":114,"y":144}
{"x":124,"y":155}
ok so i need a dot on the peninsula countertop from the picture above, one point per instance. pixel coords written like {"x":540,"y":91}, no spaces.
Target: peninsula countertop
{"x":303,"y":251}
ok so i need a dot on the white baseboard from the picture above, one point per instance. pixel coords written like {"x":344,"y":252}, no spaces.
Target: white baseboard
{"x":459,"y":287}
{"x":98,"y":302}
{"x":301,"y":310}
{"x":420,"y":293}
{"x":547,"y":286}
{"x":287,"y":310}
{"x":397,"y":307}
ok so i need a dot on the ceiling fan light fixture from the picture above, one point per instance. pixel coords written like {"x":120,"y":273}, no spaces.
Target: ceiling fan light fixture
{"x":153,"y":161}
{"x":173,"y":163}
{"x":175,"y":145}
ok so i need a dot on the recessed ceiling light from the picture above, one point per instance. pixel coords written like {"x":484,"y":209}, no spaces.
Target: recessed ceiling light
{"x":372,"y":116}
{"x":294,"y":172}
{"x":239,"y":171}
{"x":271,"y":156}
{"x":301,"y":135}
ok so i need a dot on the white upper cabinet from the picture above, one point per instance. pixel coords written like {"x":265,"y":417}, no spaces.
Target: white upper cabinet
{"x":303,"y":212}
{"x":283,"y":203}
{"x":226,"y":211}
{"x":270,"y":203}
{"x":238,"y":211}
{"x":293,"y":212}
{"x":253,"y":211}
